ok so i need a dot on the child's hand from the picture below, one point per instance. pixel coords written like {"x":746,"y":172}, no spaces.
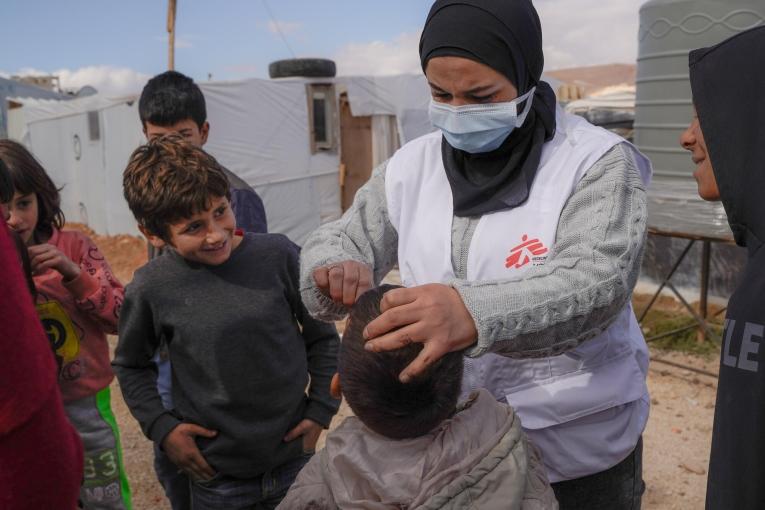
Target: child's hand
{"x":46,"y":256}
{"x":344,"y":282}
{"x":310,"y":430}
{"x":180,"y":447}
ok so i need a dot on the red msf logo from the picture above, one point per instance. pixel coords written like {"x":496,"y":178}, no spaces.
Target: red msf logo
{"x":525,"y":252}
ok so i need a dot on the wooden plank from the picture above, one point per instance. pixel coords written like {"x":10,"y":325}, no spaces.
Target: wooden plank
{"x":355,"y":151}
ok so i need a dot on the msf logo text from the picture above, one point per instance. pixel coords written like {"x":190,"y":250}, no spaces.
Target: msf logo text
{"x":530,"y":250}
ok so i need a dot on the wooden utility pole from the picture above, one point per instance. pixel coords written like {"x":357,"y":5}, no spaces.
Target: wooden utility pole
{"x":171,"y":4}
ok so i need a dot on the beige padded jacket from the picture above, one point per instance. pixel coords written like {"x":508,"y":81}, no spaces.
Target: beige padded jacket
{"x":479,"y":459}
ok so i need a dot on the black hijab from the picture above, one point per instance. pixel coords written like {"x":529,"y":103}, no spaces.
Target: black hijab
{"x":728,"y":82}
{"x":506,"y":36}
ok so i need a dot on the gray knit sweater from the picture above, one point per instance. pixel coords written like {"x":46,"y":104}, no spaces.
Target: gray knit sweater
{"x":574,"y":296}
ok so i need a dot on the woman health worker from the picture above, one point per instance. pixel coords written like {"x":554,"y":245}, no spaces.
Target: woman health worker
{"x":519,"y":231}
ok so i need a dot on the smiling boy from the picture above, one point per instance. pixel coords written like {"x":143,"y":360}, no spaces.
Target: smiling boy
{"x":241,"y":344}
{"x":172,"y":103}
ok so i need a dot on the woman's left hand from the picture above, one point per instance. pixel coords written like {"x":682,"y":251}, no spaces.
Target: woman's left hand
{"x":433,"y":314}
{"x":46,"y":256}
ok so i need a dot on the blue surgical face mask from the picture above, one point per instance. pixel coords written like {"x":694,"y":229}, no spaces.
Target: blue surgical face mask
{"x":477,"y":128}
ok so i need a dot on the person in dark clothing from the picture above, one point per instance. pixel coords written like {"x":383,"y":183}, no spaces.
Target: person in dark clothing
{"x":173,"y":103}
{"x":725,"y":139}
{"x":41,"y":462}
{"x":241,"y":342}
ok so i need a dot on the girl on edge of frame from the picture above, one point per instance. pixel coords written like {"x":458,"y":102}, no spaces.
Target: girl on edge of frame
{"x":519,"y":231}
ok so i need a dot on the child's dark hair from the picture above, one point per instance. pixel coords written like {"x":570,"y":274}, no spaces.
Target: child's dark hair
{"x":6,"y":184}
{"x":372,"y":388}
{"x":28,"y":176}
{"x":6,"y":195}
{"x":169,"y":98}
{"x":168,"y":180}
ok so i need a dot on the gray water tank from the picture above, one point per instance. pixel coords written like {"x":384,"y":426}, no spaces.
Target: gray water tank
{"x":669,"y":29}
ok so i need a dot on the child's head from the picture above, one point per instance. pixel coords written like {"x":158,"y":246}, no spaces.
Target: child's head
{"x":180,"y":196}
{"x":35,"y":207}
{"x":372,"y":388}
{"x":172,"y":103}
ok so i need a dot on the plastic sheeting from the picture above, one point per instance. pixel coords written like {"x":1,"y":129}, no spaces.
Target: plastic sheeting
{"x":674,"y":207}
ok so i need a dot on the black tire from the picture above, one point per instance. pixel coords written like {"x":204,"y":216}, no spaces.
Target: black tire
{"x":303,"y":67}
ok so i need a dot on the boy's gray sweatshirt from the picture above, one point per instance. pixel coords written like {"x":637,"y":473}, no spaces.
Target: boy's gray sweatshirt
{"x":574,"y":296}
{"x":240,"y":358}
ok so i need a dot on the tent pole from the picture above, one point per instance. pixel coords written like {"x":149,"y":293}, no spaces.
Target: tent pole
{"x":171,"y":7}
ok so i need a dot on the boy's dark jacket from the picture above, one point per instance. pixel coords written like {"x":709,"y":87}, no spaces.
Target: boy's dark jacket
{"x":728,"y":82}
{"x":240,"y":357}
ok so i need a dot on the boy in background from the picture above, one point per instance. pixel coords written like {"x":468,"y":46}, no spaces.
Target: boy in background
{"x":410,"y":445}
{"x":241,"y":343}
{"x":172,"y":103}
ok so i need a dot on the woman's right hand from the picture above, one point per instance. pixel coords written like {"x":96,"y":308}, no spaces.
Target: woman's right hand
{"x":344,"y":281}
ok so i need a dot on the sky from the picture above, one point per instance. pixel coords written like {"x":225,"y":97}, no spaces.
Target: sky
{"x":116,"y":46}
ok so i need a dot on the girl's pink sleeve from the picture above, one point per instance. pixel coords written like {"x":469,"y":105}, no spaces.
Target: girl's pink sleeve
{"x":97,"y":292}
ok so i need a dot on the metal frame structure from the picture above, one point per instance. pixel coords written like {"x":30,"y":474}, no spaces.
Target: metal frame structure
{"x":701,"y":317}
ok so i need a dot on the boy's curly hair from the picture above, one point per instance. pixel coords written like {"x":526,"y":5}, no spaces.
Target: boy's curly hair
{"x":371,"y":386}
{"x":168,"y":180}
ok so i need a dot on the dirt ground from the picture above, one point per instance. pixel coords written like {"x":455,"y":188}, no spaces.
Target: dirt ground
{"x":676,"y":441}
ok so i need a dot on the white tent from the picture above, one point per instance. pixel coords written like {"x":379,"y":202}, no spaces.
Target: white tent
{"x":84,"y":145}
{"x":262,"y":130}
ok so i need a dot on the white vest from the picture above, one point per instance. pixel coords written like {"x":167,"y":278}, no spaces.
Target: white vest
{"x":585,"y":409}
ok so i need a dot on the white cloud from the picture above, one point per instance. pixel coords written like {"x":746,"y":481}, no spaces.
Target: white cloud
{"x":108,"y":80}
{"x":575,"y":32}
{"x":285,"y":27}
{"x":588,"y":32}
{"x":380,"y":57}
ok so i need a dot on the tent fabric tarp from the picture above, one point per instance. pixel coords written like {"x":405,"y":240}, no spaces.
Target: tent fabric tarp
{"x":259,"y":131}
